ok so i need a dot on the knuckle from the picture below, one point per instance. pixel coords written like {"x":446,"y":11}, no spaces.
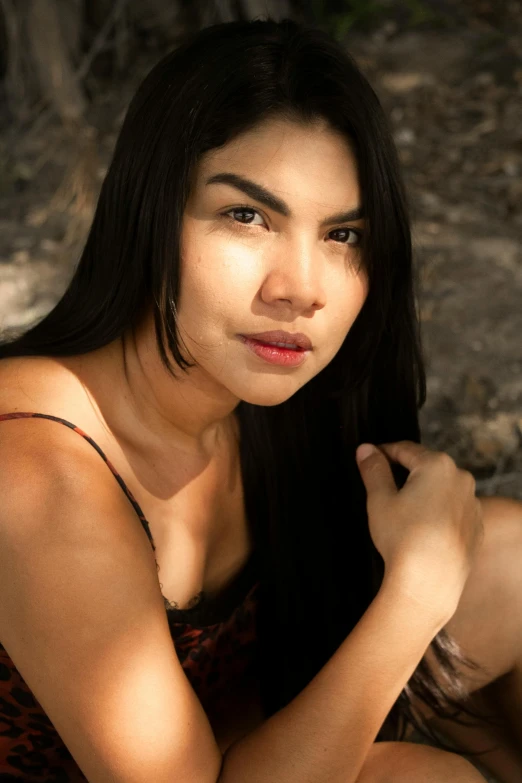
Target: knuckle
{"x":468,"y":479}
{"x":410,"y":449}
{"x":398,"y":445}
{"x":444,"y":460}
{"x":426,"y":454}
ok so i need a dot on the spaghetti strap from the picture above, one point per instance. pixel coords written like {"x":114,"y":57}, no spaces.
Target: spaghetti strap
{"x":135,"y":504}
{"x":206,"y":611}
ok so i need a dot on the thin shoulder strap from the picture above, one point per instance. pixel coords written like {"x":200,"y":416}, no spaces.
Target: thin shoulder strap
{"x":136,"y":506}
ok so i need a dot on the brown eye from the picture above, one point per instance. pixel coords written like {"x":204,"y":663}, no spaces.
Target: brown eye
{"x":244,"y":210}
{"x":354,"y":236}
{"x":354,"y":239}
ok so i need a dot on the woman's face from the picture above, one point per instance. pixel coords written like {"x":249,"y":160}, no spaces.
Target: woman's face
{"x":256,"y":270}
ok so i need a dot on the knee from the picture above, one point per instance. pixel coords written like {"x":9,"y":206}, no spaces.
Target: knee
{"x":406,"y":762}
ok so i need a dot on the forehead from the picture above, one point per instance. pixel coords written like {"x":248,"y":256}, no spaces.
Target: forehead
{"x":290,"y":157}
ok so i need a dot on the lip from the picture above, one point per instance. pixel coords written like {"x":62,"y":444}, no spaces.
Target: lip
{"x":299,"y":339}
{"x":272,"y":354}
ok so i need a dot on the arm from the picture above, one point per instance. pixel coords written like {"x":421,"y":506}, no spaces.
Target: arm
{"x":82,"y":616}
{"x":326,"y":732}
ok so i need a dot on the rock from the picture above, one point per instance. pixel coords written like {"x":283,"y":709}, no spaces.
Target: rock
{"x":20,"y":257}
{"x":492,"y":439}
{"x":49,"y":245}
{"x":475,"y":390}
{"x":405,"y":82}
{"x":22,"y":243}
{"x":405,"y":137}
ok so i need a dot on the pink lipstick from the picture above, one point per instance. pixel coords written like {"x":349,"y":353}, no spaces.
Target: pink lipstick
{"x":274,"y":354}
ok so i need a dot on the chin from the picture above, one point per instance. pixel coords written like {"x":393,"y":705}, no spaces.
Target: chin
{"x":269,"y":397}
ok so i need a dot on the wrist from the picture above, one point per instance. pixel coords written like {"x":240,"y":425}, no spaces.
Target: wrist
{"x":413,"y":587}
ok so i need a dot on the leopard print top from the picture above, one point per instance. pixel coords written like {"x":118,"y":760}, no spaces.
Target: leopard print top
{"x":215,"y":641}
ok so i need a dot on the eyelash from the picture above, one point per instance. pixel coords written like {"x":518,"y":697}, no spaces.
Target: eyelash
{"x":247,"y":208}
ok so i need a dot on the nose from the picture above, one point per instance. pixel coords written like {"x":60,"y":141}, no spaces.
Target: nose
{"x":295,"y":276}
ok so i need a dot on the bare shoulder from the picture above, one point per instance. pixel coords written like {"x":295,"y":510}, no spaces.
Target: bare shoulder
{"x":39,"y":384}
{"x":43,"y":463}
{"x":50,"y":478}
{"x":44,"y":385}
{"x":77,"y":576}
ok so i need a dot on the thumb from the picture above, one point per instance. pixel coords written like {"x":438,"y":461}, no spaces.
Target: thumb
{"x":375,"y":470}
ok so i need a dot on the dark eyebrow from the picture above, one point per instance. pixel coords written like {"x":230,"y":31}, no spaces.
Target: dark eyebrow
{"x":264,"y":196}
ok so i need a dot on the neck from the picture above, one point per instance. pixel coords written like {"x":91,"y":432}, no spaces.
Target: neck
{"x":190,"y":413}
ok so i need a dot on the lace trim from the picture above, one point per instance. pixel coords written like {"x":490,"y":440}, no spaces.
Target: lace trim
{"x":194,"y":602}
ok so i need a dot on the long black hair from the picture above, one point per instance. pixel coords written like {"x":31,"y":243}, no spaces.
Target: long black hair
{"x":305,"y":499}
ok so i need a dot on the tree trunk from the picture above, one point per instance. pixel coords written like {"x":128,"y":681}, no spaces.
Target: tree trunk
{"x":277,"y":9}
{"x":51,"y":56}
{"x":70,"y":18}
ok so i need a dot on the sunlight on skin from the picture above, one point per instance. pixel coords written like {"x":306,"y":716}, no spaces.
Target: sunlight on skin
{"x":250,"y":271}
{"x":488,"y":628}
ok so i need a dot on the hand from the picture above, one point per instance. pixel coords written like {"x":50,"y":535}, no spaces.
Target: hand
{"x":429,"y":531}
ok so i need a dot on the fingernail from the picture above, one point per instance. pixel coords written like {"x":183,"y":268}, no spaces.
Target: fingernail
{"x":364,"y":451}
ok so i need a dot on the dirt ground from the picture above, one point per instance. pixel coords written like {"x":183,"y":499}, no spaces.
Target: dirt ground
{"x":455,"y":100}
{"x":453,"y":92}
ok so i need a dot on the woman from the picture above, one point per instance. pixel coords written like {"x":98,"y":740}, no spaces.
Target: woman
{"x":241,"y":319}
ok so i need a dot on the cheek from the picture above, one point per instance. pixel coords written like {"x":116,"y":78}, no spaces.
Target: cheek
{"x":215,"y":287}
{"x":216,"y":260}
{"x":344,"y":306}
{"x":231,"y":279}
{"x":347,"y":302}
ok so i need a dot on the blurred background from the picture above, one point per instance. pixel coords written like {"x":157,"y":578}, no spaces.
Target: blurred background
{"x":449,"y":73}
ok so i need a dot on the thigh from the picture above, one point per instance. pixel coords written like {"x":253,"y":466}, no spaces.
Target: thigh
{"x":404,"y":762}
{"x":487,"y":624}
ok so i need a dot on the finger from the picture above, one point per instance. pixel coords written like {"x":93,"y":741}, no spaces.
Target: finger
{"x":377,"y":475}
{"x":406,"y":452}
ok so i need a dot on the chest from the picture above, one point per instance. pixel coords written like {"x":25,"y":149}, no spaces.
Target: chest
{"x":200,"y":546}
{"x":196,"y":516}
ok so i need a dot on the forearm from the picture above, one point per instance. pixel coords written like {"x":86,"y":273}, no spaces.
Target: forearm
{"x":326,"y":732}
